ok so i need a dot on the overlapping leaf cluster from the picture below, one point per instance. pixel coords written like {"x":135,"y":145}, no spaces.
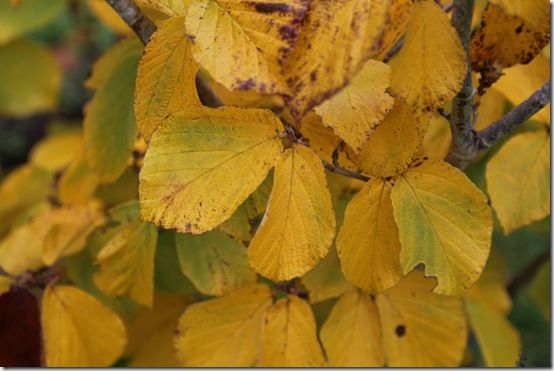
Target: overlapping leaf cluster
{"x":315,"y":171}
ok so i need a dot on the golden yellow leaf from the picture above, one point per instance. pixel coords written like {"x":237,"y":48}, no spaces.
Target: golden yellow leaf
{"x":225,"y":331}
{"x":56,"y":151}
{"x":356,"y":110}
{"x":512,"y":32}
{"x":20,"y":189}
{"x":160,"y":10}
{"x":431,"y":66}
{"x":498,"y":339}
{"x":393,"y":144}
{"x":299,"y":224}
{"x":151,"y":333}
{"x":104,"y":12}
{"x":368,"y":242}
{"x":67,"y":230}
{"x":21,"y":249}
{"x":30,"y":78}
{"x":77,"y":183}
{"x":203,"y":163}
{"x":242,"y":98}
{"x":436,"y":143}
{"x":127,"y":263}
{"x":444,"y":222}
{"x":518,"y":180}
{"x":78,"y":330}
{"x":491,"y":107}
{"x":242,"y":44}
{"x":487,"y":305}
{"x":399,"y":17}
{"x":289,"y":336}
{"x":520,"y":81}
{"x":5,"y":284}
{"x":109,"y":126}
{"x":351,"y":334}
{"x":421,"y":329}
{"x":336,"y":39}
{"x":215,"y":264}
{"x":166,"y":77}
{"x":326,"y":280}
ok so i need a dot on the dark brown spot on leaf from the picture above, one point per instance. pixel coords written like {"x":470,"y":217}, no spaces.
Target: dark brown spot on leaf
{"x":400,"y":330}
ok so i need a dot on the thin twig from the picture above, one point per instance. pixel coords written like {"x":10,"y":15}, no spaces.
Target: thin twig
{"x":444,"y":113}
{"x":132,"y":15}
{"x":344,"y":172}
{"x":521,"y":113}
{"x":461,"y":119}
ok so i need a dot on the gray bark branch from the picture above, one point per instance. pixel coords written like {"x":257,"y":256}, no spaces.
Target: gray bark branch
{"x":132,"y":15}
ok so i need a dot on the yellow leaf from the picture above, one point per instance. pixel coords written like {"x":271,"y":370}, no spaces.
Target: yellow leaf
{"x":104,"y":12}
{"x":67,"y":230}
{"x":351,"y":334}
{"x":289,"y":336}
{"x":299,"y":224}
{"x":242,"y":98}
{"x":421,"y":329}
{"x":20,"y":189}
{"x":166,"y":77}
{"x":77,"y":183}
{"x":78,"y":330}
{"x":498,"y":339}
{"x":520,"y":81}
{"x":392,"y":146}
{"x":326,"y":280}
{"x":242,"y":44}
{"x":56,"y":151}
{"x":491,"y":107}
{"x":160,"y":10}
{"x":30,"y":78}
{"x":444,"y":222}
{"x":355,"y":111}
{"x":399,"y":17}
{"x":539,"y":289}
{"x":127,"y":263}
{"x":27,"y":16}
{"x":151,"y":333}
{"x":5,"y":284}
{"x":436,"y":143}
{"x":525,"y":198}
{"x":368,"y":242}
{"x":21,"y":250}
{"x":336,"y":39}
{"x":431,"y":66}
{"x":109,"y":125}
{"x":224,"y":331}
{"x":215,"y":264}
{"x":490,"y":288}
{"x":203,"y":163}
{"x":512,"y":32}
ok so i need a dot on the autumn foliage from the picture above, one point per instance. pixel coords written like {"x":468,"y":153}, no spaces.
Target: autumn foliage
{"x":281,"y":183}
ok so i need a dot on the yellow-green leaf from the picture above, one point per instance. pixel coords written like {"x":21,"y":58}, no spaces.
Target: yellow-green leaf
{"x":326,"y":280}
{"x":299,"y":224}
{"x":444,"y":222}
{"x":127,"y":263}
{"x":203,"y":163}
{"x":77,"y":183}
{"x":351,"y":335}
{"x":15,"y":21}
{"x":355,"y":111}
{"x":215,"y":264}
{"x":166,"y":76}
{"x":30,"y":77}
{"x":520,"y":199}
{"x":336,"y":39}
{"x":78,"y":330}
{"x":289,"y":336}
{"x":368,"y":242}
{"x":393,"y":144}
{"x":539,"y":289}
{"x":511,"y":32}
{"x":431,"y":66}
{"x":109,"y":125}
{"x":243,"y":44}
{"x":225,"y":331}
{"x":421,"y":329}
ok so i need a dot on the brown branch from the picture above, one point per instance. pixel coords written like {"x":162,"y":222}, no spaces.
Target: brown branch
{"x":132,"y":15}
{"x":461,"y":117}
{"x":521,"y":113}
{"x":344,"y":172}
